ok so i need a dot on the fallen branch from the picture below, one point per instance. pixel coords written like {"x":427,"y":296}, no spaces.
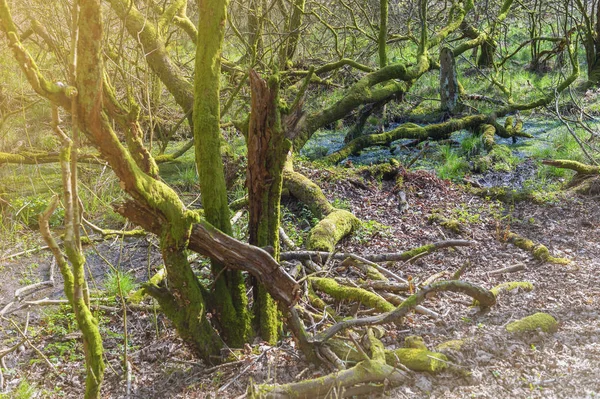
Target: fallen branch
{"x":510,"y":269}
{"x":482,"y":295}
{"x":368,"y":376}
{"x":578,"y":167}
{"x":379,"y":258}
{"x":538,"y":251}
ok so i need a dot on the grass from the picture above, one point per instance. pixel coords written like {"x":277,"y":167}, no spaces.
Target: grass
{"x":119,"y":283}
{"x":471,"y":146}
{"x":454,"y":165}
{"x":23,"y":391}
{"x":369,"y":229}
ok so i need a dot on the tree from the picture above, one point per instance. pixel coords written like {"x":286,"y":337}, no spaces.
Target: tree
{"x":278,"y":119}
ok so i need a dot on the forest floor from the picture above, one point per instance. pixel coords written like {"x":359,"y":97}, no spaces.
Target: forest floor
{"x":491,"y":364}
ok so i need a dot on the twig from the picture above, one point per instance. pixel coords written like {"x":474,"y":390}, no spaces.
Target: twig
{"x":32,"y":287}
{"x":380,"y":269}
{"x":287,"y":240}
{"x":416,"y":157}
{"x":128,"y":379}
{"x":16,"y":326}
{"x":29,"y":251}
{"x":386,"y":257}
{"x":434,"y":277}
{"x":509,"y":269}
{"x":224,"y":387}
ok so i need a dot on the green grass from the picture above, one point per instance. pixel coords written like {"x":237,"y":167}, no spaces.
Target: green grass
{"x":23,"y":391}
{"x":453,"y":165}
{"x":471,"y":146}
{"x":119,"y":283}
{"x":369,"y":229}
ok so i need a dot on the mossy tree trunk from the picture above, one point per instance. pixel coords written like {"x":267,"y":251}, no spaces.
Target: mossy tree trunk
{"x":230,"y":292}
{"x":486,"y":55}
{"x":293,"y":25}
{"x":382,"y":38}
{"x":267,"y":152}
{"x":448,"y":81}
{"x":153,"y":204}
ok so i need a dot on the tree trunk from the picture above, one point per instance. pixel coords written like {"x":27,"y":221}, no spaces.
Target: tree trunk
{"x":267,"y":151}
{"x":448,"y":81}
{"x":230,"y":292}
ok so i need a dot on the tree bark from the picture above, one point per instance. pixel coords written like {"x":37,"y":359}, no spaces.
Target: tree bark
{"x":267,"y":151}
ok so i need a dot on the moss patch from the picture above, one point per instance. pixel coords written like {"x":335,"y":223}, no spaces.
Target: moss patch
{"x":542,"y":321}
{"x":452,"y":345}
{"x":415,"y":342}
{"x":331,"y":229}
{"x":417,"y":359}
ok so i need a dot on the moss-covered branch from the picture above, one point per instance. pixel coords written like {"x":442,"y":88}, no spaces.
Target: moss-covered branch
{"x":538,"y":251}
{"x":57,"y":94}
{"x":335,"y":223}
{"x":370,"y":375}
{"x":485,"y":298}
{"x":339,"y":292}
{"x":578,"y":167}
{"x":387,"y":257}
{"x":408,"y":131}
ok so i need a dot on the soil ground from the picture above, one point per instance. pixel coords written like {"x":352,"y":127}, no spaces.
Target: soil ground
{"x":492,"y":363}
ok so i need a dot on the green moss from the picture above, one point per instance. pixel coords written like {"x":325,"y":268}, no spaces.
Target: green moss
{"x":539,"y":251}
{"x":417,"y":359}
{"x":138,"y":295}
{"x":542,"y":321}
{"x":340,"y":292}
{"x":502,"y":158}
{"x":487,"y":136}
{"x":508,"y":286}
{"x":452,"y":225}
{"x":453,"y":345}
{"x":331,"y":229}
{"x":511,"y":285}
{"x":415,"y":342}
{"x":417,"y":251}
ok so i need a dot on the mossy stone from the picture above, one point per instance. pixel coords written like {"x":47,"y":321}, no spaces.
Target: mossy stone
{"x":452,"y":345}
{"x":415,"y":342}
{"x":542,"y":321}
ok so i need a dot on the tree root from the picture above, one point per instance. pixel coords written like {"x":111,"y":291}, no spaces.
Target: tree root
{"x":538,"y":251}
{"x":369,"y":375}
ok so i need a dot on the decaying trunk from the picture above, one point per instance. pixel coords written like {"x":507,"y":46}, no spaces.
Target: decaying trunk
{"x":267,"y":151}
{"x":448,"y":81}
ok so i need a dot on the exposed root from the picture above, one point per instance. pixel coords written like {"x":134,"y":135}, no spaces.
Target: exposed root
{"x":368,"y":376}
